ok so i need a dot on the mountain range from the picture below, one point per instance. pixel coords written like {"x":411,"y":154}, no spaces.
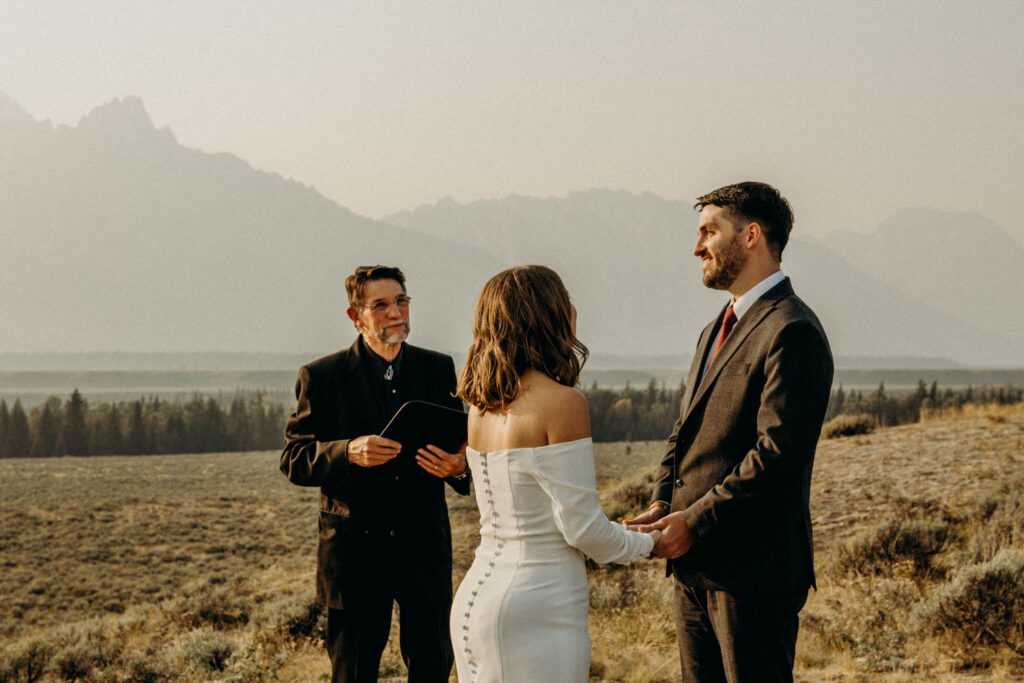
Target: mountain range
{"x":118,"y":238}
{"x":925,"y":283}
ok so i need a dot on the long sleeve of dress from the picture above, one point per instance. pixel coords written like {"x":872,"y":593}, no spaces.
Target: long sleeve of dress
{"x":566,"y":474}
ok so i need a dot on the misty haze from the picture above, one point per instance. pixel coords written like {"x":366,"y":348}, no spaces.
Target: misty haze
{"x":117,"y":238}
{"x":184,"y":188}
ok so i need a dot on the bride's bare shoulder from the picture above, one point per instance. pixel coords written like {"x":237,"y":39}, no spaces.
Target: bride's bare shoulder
{"x":565,"y":412}
{"x":544,"y":412}
{"x":538,"y":387}
{"x":554,"y":392}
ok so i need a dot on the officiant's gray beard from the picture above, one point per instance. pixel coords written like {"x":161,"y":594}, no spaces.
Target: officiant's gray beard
{"x":726,"y":265}
{"x":393,"y":336}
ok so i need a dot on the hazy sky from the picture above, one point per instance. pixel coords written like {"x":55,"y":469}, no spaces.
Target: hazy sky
{"x":853,"y":109}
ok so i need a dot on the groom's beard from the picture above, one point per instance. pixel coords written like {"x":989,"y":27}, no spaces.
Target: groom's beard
{"x":725,"y":265}
{"x":394,"y":334}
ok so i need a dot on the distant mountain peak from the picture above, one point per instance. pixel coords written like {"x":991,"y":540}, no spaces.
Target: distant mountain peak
{"x":12,"y":113}
{"x":121,"y":117}
{"x":937,"y":228}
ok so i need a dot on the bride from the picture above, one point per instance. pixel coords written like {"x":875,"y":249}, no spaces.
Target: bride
{"x":520,"y":613}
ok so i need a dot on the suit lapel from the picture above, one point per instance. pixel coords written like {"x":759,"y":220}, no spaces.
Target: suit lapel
{"x":703,"y":346}
{"x":747,"y":324}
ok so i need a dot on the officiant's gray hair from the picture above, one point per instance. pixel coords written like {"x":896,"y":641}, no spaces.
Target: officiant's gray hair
{"x":355,"y":284}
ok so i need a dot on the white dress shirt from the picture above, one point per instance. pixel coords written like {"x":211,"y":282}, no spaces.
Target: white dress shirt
{"x":742,"y":305}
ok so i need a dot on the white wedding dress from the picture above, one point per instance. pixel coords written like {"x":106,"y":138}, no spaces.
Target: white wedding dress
{"x":520,"y":614}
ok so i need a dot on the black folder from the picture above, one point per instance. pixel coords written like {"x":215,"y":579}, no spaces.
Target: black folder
{"x":418,"y":423}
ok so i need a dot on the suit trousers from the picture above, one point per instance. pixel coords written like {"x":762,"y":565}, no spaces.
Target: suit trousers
{"x":729,"y":638}
{"x":357,"y":634}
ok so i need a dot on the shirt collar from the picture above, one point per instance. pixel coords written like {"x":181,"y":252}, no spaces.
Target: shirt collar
{"x":743,"y":304}
{"x":378,"y":362}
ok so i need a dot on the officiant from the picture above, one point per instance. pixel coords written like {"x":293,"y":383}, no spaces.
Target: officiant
{"x":384,"y":535}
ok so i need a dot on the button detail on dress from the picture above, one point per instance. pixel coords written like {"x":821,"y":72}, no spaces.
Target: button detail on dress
{"x":495,"y":527}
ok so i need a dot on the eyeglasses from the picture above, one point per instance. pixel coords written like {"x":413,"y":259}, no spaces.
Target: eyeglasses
{"x":383,"y":305}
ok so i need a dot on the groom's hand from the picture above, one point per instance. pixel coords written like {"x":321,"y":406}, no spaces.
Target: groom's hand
{"x":676,"y":537}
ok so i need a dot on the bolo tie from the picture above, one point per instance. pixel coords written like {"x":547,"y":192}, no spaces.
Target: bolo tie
{"x":389,"y":375}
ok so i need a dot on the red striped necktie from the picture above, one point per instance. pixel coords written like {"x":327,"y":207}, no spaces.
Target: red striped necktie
{"x":727,"y":323}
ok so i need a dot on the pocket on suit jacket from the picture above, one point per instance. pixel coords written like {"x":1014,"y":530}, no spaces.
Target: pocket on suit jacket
{"x":334,"y":551}
{"x":733,"y":369}
{"x":331,"y":524}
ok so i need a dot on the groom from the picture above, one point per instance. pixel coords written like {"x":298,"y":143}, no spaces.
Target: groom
{"x":731,"y":497}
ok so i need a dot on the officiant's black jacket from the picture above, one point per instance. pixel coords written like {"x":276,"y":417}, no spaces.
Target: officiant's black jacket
{"x":364,"y":509}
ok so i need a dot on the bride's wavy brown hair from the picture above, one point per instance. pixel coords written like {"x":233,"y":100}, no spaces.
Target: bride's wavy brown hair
{"x":522,"y":322}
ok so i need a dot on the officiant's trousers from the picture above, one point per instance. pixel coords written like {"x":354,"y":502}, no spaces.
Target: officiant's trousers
{"x":357,"y":634}
{"x":728,"y":638}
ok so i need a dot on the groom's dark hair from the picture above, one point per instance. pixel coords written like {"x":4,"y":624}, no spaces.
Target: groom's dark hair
{"x":758,"y":203}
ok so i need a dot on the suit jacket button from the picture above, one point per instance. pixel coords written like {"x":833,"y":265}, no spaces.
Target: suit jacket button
{"x":392,"y":532}
{"x":679,"y":483}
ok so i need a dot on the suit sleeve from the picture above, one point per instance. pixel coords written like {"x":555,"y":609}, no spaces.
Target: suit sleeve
{"x":460,"y":486}
{"x":798,"y":379}
{"x":305,"y":460}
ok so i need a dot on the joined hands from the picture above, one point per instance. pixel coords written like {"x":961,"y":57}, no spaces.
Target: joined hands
{"x":674,"y":537}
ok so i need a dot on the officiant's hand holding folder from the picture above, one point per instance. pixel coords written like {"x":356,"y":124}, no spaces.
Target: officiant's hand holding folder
{"x":435,"y":435}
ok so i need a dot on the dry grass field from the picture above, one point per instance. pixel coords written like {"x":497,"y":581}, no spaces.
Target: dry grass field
{"x":200,"y":568}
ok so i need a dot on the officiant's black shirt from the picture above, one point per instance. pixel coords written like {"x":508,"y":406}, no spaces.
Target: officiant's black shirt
{"x":390,"y":390}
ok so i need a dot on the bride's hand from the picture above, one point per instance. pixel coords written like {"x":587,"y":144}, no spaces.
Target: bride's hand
{"x":644,"y":529}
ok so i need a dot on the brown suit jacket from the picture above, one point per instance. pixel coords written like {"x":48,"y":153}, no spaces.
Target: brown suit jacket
{"x":361,"y":508}
{"x":738,"y":462}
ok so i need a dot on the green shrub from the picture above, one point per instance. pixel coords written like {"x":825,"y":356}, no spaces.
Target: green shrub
{"x":617,"y":588}
{"x":214,"y":605}
{"x":877,"y":551}
{"x":252,"y":665}
{"x":75,"y":662}
{"x":82,"y":647}
{"x":207,"y":650}
{"x":146,"y":670}
{"x":295,"y":616}
{"x":981,"y":606}
{"x":24,"y":661}
{"x":630,"y":497}
{"x":848,"y":425}
{"x":867,"y":624}
{"x":1000,"y":522}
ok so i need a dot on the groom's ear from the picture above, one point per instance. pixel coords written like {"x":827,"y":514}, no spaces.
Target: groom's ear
{"x":353,"y":315}
{"x":753,"y":234}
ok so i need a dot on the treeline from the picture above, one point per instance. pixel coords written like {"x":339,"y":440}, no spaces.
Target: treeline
{"x":254,"y":422}
{"x":145,"y":426}
{"x":648,"y":414}
{"x":633,"y":414}
{"x":889,"y":409}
